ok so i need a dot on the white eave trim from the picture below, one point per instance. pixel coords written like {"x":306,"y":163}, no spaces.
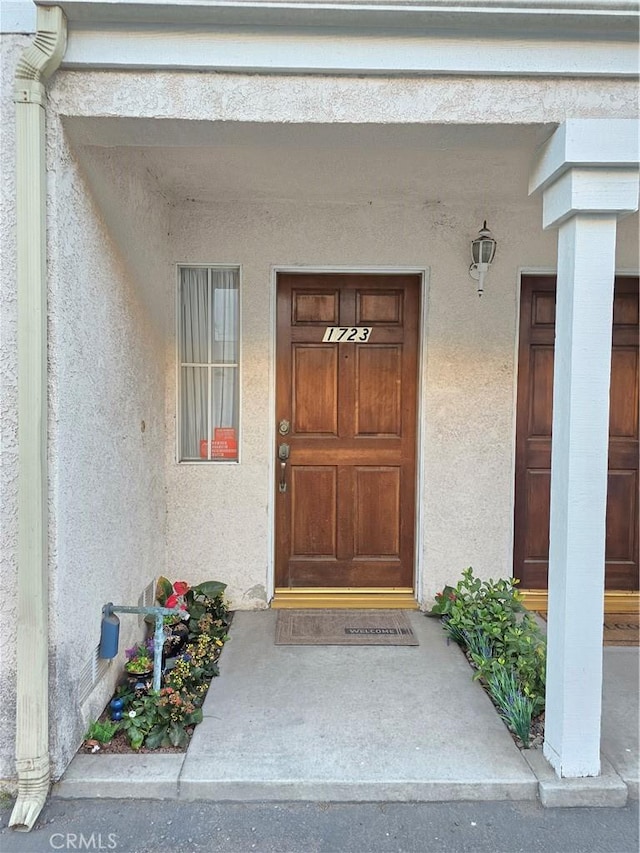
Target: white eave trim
{"x":320,"y":52}
{"x":470,"y":37}
{"x":559,"y":17}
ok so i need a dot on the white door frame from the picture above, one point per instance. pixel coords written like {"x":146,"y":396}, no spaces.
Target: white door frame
{"x":424,"y":273}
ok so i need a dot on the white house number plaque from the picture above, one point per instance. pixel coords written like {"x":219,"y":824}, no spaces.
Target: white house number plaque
{"x":347,"y":334}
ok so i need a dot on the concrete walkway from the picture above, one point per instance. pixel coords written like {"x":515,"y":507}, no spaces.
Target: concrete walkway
{"x":355,"y":723}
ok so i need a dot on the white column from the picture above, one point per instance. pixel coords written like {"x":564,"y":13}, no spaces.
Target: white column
{"x":588,"y":173}
{"x":586,"y":260}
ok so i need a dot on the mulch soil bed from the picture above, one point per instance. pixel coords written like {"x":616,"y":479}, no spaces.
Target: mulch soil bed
{"x":120,"y":746}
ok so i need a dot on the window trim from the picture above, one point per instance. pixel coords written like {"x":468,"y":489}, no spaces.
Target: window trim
{"x":178,"y":364}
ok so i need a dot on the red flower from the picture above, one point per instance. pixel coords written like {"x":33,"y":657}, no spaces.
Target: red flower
{"x":181,"y":587}
{"x":172,"y":601}
{"x":452,"y":596}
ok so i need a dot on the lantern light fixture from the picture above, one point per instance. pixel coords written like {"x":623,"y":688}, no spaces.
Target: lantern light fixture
{"x":483,"y":250}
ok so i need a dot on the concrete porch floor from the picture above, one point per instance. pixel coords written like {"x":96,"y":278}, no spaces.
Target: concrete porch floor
{"x":362,"y":723}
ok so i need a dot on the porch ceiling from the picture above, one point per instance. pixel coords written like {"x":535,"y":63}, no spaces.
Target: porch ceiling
{"x":208,"y":162}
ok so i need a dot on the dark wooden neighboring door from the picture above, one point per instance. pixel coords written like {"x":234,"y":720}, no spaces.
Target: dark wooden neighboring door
{"x":346,"y":518}
{"x":533,"y":436}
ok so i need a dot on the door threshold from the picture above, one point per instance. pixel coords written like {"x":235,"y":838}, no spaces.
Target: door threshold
{"x":614,"y":601}
{"x":336,"y":598}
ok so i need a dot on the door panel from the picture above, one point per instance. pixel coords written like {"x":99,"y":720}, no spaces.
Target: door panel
{"x":378,"y":386}
{"x":533,"y":436}
{"x":378,"y":307}
{"x":313,"y":514}
{"x":537,"y":532}
{"x":346,"y":515}
{"x":315,"y":389}
{"x":541,"y":391}
{"x":315,"y":307}
{"x":623,"y":422}
{"x":377,"y":512}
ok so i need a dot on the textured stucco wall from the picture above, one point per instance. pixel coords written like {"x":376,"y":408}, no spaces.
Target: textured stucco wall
{"x":107,"y":270}
{"x":218,"y":517}
{"x":10,"y":49}
{"x":237,"y":97}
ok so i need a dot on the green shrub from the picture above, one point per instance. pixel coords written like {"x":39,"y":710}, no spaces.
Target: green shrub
{"x":102,"y":732}
{"x":175,"y":711}
{"x":140,"y":719}
{"x":488,"y":619}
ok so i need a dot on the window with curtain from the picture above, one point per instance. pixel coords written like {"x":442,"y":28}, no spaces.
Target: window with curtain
{"x":208,"y":340}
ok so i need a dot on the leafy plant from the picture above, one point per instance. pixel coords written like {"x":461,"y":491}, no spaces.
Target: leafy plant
{"x":525,"y":651}
{"x":139,"y":657}
{"x":196,"y":666}
{"x":161,"y":718}
{"x":521,"y":650}
{"x":473,"y":604}
{"x":124,"y":692}
{"x":204,"y":604}
{"x":488,"y":619}
{"x":140,"y":719}
{"x":172,"y":595}
{"x":444,"y":602}
{"x":175,"y":712}
{"x":102,"y":732}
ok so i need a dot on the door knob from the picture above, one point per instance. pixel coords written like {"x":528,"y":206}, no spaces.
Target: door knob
{"x":283,"y":455}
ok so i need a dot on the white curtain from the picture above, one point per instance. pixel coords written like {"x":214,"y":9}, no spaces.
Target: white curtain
{"x":208,"y":357}
{"x":225,"y":347}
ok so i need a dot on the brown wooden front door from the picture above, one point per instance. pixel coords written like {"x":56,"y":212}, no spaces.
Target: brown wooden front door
{"x":346,"y":517}
{"x":533,"y":436}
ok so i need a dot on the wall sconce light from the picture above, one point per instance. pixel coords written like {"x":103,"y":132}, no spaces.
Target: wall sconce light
{"x":483,"y":250}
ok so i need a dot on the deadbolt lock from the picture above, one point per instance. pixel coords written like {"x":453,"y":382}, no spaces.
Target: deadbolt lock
{"x":284,"y":427}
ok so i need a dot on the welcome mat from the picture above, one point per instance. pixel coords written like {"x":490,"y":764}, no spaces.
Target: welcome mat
{"x":344,"y":628}
{"x":619,"y":629}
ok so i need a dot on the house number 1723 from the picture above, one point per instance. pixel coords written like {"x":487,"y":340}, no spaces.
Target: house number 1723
{"x":346,"y":334}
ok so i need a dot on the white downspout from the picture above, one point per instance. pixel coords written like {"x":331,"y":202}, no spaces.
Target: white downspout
{"x":37,"y":63}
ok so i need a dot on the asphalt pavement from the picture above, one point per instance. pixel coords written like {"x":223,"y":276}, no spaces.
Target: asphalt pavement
{"x":172,"y":826}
